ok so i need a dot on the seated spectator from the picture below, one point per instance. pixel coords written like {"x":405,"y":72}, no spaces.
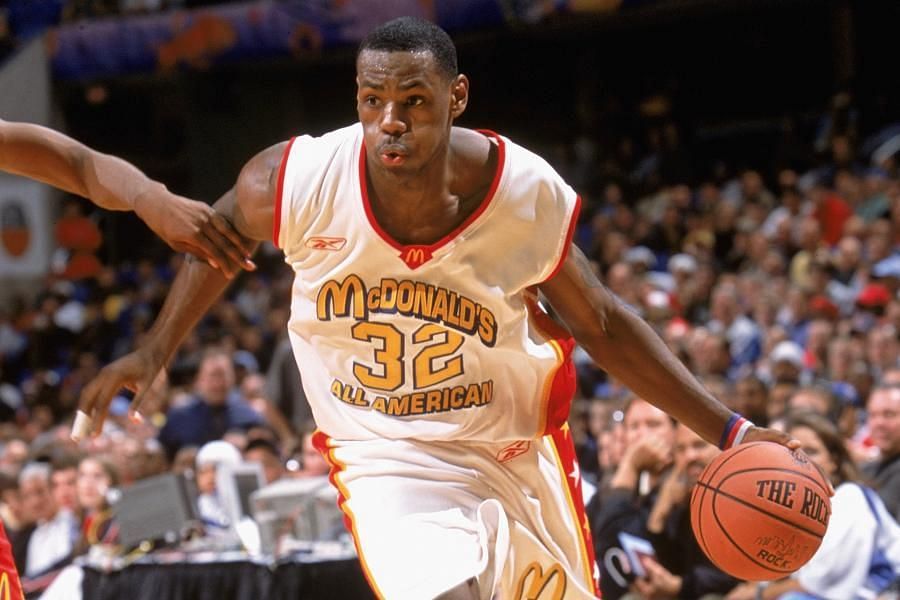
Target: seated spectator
{"x":884,"y":428}
{"x":11,"y":511}
{"x":859,"y":521}
{"x":215,"y":408}
{"x":63,"y":483}
{"x":209,"y":458}
{"x":95,"y":478}
{"x":625,"y":507}
{"x":266,"y":454}
{"x":751,"y":399}
{"x":311,"y":463}
{"x":680,"y":569}
{"x":48,"y":544}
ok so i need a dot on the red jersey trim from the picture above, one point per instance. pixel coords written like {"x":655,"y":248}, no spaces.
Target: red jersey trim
{"x":279,"y":191}
{"x":573,"y":223}
{"x":429,"y":249}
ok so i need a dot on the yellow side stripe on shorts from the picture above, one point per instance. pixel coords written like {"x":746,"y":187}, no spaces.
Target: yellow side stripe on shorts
{"x":586,"y":560}
{"x":337,"y":467}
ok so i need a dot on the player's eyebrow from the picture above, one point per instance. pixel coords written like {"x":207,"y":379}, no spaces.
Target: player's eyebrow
{"x":405,"y":85}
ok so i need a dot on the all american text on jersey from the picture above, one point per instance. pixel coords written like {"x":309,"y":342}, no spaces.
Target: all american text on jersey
{"x":417,"y":403}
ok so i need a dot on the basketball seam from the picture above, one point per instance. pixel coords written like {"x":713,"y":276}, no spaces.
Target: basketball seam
{"x":699,"y":533}
{"x":739,"y":548}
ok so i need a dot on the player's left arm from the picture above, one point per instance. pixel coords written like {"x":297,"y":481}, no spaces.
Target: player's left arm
{"x":627,"y":348}
{"x":109,"y":182}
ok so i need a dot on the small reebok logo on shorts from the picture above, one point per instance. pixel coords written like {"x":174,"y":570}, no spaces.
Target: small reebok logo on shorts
{"x":326,"y":243}
{"x":513,"y":450}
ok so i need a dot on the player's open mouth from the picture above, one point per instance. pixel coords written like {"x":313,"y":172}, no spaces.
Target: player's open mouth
{"x":393,"y":159}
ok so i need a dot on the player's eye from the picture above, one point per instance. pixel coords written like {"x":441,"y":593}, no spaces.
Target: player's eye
{"x":415,"y":101}
{"x":370,"y":101}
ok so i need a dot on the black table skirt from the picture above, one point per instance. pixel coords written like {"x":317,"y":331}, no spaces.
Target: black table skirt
{"x":341,"y":580}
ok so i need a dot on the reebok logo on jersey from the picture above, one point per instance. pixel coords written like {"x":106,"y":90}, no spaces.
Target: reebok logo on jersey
{"x":513,"y":450}
{"x":326,"y":243}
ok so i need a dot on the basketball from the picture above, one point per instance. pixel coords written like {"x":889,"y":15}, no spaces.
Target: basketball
{"x":759,"y":511}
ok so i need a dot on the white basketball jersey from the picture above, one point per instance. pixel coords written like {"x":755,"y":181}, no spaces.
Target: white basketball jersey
{"x":443,"y":341}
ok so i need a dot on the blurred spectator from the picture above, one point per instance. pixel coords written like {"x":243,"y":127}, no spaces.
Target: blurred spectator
{"x":625,"y":506}
{"x":63,"y":482}
{"x":11,"y":509}
{"x":680,"y":569}
{"x":752,"y":399}
{"x":49,"y":543}
{"x":96,"y":477}
{"x":743,"y":335}
{"x":209,"y":458}
{"x":884,"y":428}
{"x":858,"y":520}
{"x":311,"y":462}
{"x":284,"y":387}
{"x":266,"y":454}
{"x":215,"y":407}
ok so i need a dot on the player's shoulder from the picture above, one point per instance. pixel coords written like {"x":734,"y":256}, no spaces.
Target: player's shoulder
{"x":522,"y":160}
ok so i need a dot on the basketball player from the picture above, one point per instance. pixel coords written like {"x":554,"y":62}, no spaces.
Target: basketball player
{"x":186,"y":225}
{"x":439,"y":385}
{"x":111,"y":183}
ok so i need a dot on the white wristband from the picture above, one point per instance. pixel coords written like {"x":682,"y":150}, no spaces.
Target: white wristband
{"x":742,"y":431}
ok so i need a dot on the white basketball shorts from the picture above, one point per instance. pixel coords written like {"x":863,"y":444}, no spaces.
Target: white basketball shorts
{"x":427,"y":516}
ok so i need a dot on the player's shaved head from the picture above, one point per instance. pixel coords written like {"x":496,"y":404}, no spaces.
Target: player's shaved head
{"x":408,"y":34}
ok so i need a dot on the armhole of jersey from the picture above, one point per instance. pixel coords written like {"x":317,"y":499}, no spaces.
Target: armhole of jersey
{"x":279,"y":193}
{"x":570,"y":233}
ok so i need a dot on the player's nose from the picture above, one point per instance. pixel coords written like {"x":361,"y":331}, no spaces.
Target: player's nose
{"x":393,"y":120}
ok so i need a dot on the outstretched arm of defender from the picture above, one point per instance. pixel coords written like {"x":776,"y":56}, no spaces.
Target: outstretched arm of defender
{"x":250,"y":207}
{"x":625,"y":346}
{"x":114,"y":184}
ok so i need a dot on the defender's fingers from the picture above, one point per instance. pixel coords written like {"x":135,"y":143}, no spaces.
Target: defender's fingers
{"x":224,"y":227}
{"x":212,"y":242}
{"x":236,"y":254}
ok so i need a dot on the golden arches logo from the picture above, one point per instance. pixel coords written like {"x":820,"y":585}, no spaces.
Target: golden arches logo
{"x":416,"y":256}
{"x":540,"y":581}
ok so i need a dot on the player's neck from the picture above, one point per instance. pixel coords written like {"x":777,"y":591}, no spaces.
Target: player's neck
{"x":424,"y":206}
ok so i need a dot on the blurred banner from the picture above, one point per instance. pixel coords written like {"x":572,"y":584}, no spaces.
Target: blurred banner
{"x":201,"y":38}
{"x":25,"y":236}
{"x":25,"y":205}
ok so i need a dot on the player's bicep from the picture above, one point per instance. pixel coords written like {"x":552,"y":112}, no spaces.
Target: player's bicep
{"x":579,"y":298}
{"x":253,"y":213}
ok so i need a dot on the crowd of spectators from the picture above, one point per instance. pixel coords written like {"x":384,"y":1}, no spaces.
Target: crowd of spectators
{"x":777,"y":287}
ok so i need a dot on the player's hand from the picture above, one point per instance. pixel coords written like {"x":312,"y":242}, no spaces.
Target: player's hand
{"x":763,"y":434}
{"x":659,"y":583}
{"x":194,"y":227}
{"x":138,"y":372}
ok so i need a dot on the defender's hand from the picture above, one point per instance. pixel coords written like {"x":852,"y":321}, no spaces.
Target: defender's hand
{"x":194,"y":227}
{"x":138,"y":372}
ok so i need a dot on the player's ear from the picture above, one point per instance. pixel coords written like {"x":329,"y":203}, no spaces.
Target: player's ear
{"x":459,"y":95}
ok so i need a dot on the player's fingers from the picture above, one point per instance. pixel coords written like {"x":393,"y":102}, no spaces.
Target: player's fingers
{"x":225,"y":228}
{"x":213,"y":243}
{"x":225,"y":245}
{"x":150,"y":388}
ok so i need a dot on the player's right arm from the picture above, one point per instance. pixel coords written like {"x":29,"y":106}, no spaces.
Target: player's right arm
{"x":250,"y":207}
{"x":114,"y":184}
